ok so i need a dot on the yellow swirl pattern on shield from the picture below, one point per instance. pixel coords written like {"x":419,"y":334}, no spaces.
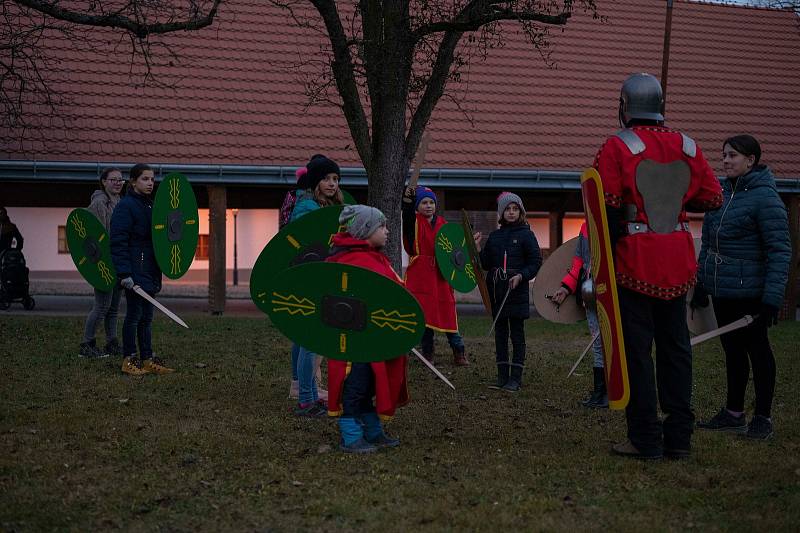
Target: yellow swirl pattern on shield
{"x":105,"y":273}
{"x":292,"y":304}
{"x":174,"y":193}
{"x":470,"y":272}
{"x":343,"y":342}
{"x":80,"y":228}
{"x":393,"y":320}
{"x":445,"y":243}
{"x":175,"y":259}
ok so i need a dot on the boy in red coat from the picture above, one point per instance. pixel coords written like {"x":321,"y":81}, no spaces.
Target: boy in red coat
{"x":423,"y":279}
{"x":351,"y":386}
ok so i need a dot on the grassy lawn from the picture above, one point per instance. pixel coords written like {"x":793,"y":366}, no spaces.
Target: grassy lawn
{"x":214,"y":447}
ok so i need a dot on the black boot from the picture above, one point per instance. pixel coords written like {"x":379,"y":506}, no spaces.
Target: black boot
{"x":515,"y":379}
{"x":599,"y":396}
{"x":502,"y":376}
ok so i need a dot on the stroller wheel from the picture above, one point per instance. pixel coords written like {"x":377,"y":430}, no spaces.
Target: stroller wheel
{"x":28,"y":303}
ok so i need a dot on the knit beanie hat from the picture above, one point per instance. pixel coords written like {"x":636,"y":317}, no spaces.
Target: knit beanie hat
{"x":361,"y":220}
{"x":422,"y":193}
{"x":299,"y":173}
{"x":506,"y":198}
{"x":319,"y":167}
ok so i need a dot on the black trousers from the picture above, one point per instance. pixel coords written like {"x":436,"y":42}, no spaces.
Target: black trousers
{"x":501,"y":330}
{"x":358,"y":390}
{"x":745,"y":347}
{"x":646,"y":320}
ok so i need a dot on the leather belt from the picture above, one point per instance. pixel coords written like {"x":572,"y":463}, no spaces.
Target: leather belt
{"x":640,"y":227}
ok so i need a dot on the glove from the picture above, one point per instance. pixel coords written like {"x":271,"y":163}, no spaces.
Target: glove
{"x":127,"y":283}
{"x":699,"y":298}
{"x":768,"y":315}
{"x":408,"y":195}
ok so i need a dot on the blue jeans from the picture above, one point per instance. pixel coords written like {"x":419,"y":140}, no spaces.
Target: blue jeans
{"x":594,"y":328}
{"x":305,"y":376}
{"x":453,"y":338}
{"x":295,"y":357}
{"x":138,"y":326}
{"x":106,"y":310}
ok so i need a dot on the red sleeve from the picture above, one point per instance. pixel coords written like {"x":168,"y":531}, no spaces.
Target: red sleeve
{"x":571,"y":279}
{"x":709,"y":192}
{"x":609,"y":165}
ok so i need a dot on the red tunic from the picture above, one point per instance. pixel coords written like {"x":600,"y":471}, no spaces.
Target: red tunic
{"x":424,"y":280}
{"x":391,"y":385}
{"x":661,"y":265}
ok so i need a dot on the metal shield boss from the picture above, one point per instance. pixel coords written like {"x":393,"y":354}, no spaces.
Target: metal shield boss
{"x":548,"y":280}
{"x":175,"y":225}
{"x":607,"y":300}
{"x":453,"y":257}
{"x":345,"y":312}
{"x":307,"y":239}
{"x":90,"y":248}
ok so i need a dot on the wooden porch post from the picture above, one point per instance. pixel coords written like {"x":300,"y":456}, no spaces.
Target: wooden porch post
{"x":217,"y":205}
{"x":556,"y":219}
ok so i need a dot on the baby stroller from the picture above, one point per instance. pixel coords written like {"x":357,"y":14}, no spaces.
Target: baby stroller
{"x":14,"y":280}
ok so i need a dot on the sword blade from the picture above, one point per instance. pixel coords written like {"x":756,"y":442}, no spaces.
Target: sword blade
{"x":583,"y":354}
{"x":419,"y":159}
{"x":433,"y":368}
{"x":138,"y":290}
{"x":499,"y":311}
{"x":742,"y":322}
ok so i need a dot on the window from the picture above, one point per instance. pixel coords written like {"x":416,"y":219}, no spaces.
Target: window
{"x":63,"y":247}
{"x":202,"y":247}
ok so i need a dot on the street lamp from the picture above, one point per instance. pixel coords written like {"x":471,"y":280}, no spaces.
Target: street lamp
{"x":235,"y":251}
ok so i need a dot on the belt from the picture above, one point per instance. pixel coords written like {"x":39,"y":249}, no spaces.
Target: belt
{"x":640,"y":227}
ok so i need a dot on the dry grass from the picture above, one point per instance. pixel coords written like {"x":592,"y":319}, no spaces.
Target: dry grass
{"x":214,"y":447}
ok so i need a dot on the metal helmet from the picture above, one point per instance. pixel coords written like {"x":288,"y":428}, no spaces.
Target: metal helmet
{"x":641,"y":97}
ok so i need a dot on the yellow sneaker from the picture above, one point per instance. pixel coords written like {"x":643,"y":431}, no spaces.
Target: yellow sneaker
{"x":156,"y":366}
{"x":133,"y":367}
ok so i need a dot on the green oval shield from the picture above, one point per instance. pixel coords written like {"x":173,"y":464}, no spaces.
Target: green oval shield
{"x":175,"y":225}
{"x":345,"y":312}
{"x":90,"y":248}
{"x":453,"y":258}
{"x":347,"y":198}
{"x":306,"y":239}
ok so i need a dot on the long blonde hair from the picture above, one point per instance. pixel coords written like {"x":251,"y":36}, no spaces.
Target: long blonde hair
{"x":324,"y":201}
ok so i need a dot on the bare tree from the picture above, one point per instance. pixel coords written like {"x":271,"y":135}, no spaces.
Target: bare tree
{"x":387,"y":65}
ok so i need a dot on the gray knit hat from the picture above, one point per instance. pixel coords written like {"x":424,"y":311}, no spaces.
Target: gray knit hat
{"x":506,"y":198}
{"x":361,"y":220}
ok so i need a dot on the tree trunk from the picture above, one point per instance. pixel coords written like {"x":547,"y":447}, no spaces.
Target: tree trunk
{"x":386,"y":180}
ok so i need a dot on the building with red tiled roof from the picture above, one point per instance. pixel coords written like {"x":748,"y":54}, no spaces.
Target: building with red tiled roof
{"x":226,"y":105}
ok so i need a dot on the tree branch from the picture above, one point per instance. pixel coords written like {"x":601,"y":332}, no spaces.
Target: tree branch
{"x":137,"y":25}
{"x":345,"y":79}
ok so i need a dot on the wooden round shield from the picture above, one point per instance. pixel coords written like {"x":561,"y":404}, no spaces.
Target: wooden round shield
{"x":175,"y":225}
{"x":345,"y":312}
{"x":453,"y":259}
{"x":304,"y":240}
{"x":90,"y":249}
{"x":548,"y":280}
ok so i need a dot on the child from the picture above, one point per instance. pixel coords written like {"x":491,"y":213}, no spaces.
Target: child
{"x":135,"y":262}
{"x":512,"y":258}
{"x":423,"y":279}
{"x":106,"y":304}
{"x":577,"y":275}
{"x":318,"y":187}
{"x":353,"y":385}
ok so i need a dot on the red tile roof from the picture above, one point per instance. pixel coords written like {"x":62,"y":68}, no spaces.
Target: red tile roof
{"x":232,"y":93}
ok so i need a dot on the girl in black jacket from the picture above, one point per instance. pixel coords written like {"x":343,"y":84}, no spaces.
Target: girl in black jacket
{"x":512,"y":258}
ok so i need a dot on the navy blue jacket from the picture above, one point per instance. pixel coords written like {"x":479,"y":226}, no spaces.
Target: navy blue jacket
{"x":746,"y":246}
{"x":132,"y":242}
{"x":523,"y":257}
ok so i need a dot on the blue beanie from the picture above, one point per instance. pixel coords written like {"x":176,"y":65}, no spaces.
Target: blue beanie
{"x":421,"y":193}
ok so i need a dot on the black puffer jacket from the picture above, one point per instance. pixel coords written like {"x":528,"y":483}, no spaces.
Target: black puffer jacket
{"x":519,"y":245}
{"x":132,"y":242}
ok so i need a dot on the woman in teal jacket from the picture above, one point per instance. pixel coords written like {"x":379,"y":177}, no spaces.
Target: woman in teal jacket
{"x":744,"y":265}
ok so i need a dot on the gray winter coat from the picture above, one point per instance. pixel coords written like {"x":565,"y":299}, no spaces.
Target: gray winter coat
{"x":101,"y":206}
{"x":746,"y":247}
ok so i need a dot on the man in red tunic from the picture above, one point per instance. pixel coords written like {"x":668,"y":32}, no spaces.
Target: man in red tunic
{"x":423,"y":279}
{"x":352,"y":386}
{"x":651,"y":176}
